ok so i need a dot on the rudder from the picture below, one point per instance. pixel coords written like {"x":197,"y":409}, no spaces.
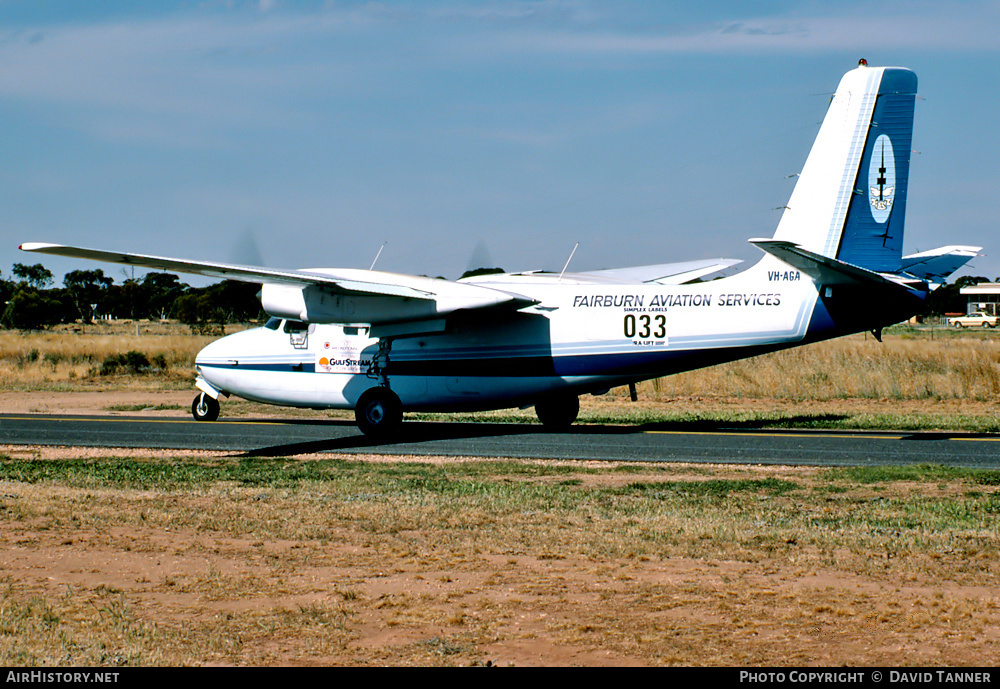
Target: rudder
{"x":850,"y":200}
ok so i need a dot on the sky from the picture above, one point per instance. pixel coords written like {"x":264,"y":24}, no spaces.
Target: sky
{"x":298,"y":134}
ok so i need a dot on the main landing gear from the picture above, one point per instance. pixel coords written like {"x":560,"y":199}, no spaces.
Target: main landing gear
{"x":205,"y":408}
{"x":379,"y":413}
{"x":558,"y":412}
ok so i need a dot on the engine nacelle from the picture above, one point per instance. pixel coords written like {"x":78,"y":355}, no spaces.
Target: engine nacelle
{"x":313,"y":304}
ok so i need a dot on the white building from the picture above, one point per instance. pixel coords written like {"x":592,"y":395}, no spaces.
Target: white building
{"x":984,"y":297}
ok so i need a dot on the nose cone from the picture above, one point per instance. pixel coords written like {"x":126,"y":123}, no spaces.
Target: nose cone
{"x":215,"y":352}
{"x":230,"y":349}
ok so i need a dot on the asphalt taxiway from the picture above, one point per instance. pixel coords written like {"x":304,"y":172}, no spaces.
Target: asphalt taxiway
{"x":640,"y":443}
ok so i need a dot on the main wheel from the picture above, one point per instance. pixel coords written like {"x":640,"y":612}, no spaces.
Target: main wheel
{"x":205,"y":408}
{"x":379,"y":413}
{"x":558,"y":412}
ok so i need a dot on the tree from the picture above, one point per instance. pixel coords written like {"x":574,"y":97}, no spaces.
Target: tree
{"x":30,"y":309}
{"x":237,"y":300}
{"x":87,"y":289}
{"x":7,"y":290}
{"x":37,"y":275}
{"x":161,"y":291}
{"x":199,"y":311}
{"x":127,"y":300}
{"x":207,"y":309}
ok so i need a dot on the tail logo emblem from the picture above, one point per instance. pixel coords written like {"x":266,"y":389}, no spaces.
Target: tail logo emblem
{"x":882,"y":179}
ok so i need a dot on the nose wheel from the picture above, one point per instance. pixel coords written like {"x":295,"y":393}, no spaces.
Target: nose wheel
{"x":379,"y":413}
{"x":205,"y":408}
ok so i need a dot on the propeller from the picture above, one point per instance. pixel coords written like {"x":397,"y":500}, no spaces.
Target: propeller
{"x":245,"y":250}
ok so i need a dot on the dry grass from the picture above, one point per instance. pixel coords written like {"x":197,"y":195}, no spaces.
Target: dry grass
{"x":203,"y":559}
{"x":907,"y":365}
{"x":70,"y":357}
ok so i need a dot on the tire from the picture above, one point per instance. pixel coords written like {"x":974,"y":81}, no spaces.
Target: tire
{"x":205,"y":408}
{"x":986,"y":324}
{"x":557,"y":413}
{"x":379,"y":413}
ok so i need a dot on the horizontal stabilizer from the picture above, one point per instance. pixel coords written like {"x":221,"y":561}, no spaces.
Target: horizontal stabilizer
{"x":936,"y":265}
{"x":822,"y":269}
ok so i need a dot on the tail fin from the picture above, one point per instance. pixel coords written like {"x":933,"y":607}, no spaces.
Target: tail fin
{"x":850,"y":199}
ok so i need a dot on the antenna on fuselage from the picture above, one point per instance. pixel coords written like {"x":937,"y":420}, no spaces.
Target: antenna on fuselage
{"x":568,"y":260}
{"x":372,"y":267}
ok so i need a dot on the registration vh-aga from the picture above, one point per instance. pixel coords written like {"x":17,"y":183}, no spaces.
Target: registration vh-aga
{"x":383,"y":343}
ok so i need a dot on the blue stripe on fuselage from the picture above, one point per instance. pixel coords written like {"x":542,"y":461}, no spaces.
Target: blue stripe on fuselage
{"x":282,"y":367}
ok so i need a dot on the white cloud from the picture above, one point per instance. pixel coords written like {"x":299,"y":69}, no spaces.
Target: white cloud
{"x":204,"y":72}
{"x":961,"y":27}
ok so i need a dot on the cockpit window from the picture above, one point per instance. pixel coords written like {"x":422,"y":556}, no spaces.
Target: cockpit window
{"x":273,"y":323}
{"x":295,"y":326}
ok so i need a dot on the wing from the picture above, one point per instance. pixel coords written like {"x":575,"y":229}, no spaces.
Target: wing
{"x":665,"y":273}
{"x":345,"y":284}
{"x":662,"y":273}
{"x":323,"y":295}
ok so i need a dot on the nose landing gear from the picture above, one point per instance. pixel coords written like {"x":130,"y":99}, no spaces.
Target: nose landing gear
{"x":205,"y":408}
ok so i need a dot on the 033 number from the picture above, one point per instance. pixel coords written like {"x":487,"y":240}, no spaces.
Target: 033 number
{"x":645,"y":326}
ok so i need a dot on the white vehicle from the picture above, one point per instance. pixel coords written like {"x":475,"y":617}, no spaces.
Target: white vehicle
{"x":974,"y":320}
{"x":383,"y":343}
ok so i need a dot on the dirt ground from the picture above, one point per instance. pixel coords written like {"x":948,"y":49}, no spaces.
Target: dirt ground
{"x":410,"y":604}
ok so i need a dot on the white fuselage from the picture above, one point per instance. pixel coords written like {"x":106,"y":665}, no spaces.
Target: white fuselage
{"x":578,"y":337}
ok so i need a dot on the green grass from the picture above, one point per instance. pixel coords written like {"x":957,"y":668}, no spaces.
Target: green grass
{"x":715,"y":488}
{"x":141,"y":474}
{"x":175,"y":474}
{"x":923,"y":473}
{"x":507,"y":488}
{"x":143,"y":407}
